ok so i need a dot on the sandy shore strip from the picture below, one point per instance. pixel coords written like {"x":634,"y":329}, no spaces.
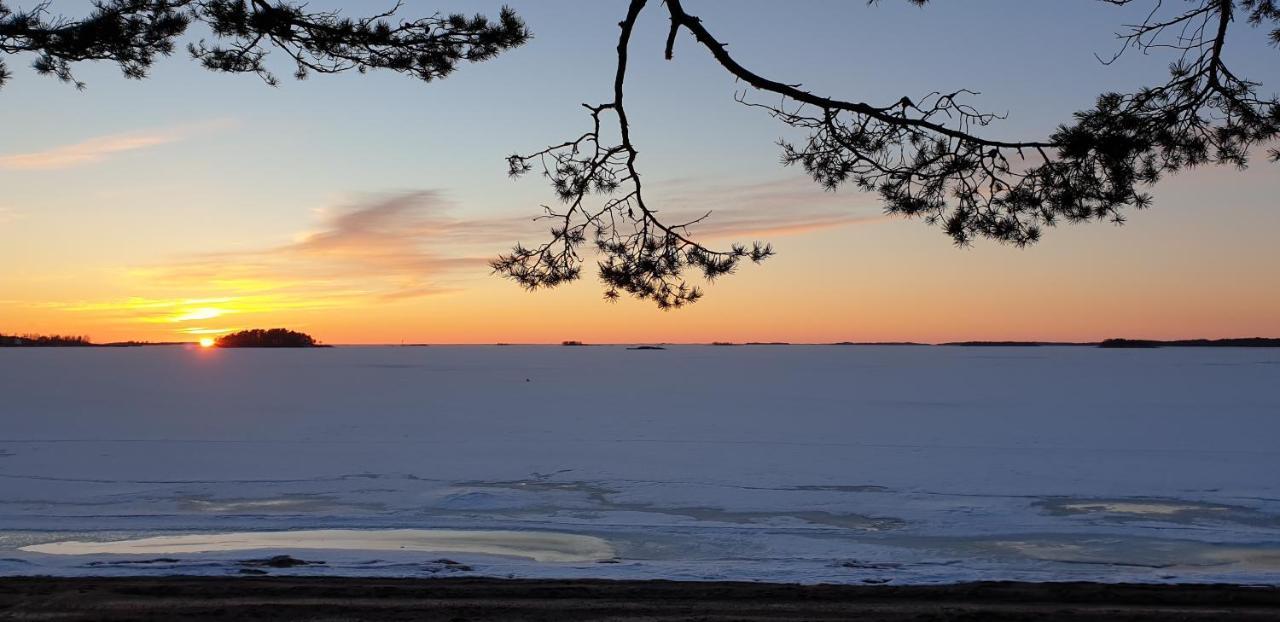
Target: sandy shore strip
{"x":194,"y":599}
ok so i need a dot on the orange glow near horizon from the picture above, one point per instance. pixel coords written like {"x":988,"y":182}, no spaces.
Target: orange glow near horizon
{"x":374,"y":274}
{"x":127,"y":218}
{"x":206,"y":342}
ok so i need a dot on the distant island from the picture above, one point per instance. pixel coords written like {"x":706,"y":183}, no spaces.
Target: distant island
{"x":997,"y":344}
{"x":284,"y":338}
{"x":1016,"y":343}
{"x":270,"y":338}
{"x":43,"y":341}
{"x":141,"y":344}
{"x":1245,"y":342}
{"x":878,"y":343}
{"x":74,"y":341}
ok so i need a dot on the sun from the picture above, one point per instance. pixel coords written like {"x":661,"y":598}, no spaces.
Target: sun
{"x":206,"y":342}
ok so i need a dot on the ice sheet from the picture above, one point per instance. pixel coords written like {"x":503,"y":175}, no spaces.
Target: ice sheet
{"x":805,"y":463}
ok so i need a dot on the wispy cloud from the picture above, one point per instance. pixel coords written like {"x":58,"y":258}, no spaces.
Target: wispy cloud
{"x":376,"y":250}
{"x":764,"y":209}
{"x":189,"y":316}
{"x":390,"y":248}
{"x":393,"y":248}
{"x":99,"y":148}
{"x":152,"y":310}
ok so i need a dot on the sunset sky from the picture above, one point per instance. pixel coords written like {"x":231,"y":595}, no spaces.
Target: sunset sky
{"x":363,"y":209}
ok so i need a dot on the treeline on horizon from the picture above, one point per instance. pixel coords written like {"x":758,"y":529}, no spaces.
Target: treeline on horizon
{"x":284,"y":338}
{"x":1245,"y":342}
{"x":255,"y":338}
{"x":43,"y":341}
{"x":1239,"y":342}
{"x":69,"y":341}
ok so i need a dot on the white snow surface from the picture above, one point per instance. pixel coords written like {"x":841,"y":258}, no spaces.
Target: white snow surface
{"x":784,"y":463}
{"x":536,"y":545}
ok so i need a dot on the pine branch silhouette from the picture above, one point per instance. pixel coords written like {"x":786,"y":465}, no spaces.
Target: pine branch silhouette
{"x":133,"y":33}
{"x":927,"y":157}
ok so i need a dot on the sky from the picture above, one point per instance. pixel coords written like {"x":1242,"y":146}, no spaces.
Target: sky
{"x":364,"y":208}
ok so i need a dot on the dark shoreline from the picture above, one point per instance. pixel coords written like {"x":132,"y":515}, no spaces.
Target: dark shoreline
{"x":193,"y":599}
{"x":1236,"y":342}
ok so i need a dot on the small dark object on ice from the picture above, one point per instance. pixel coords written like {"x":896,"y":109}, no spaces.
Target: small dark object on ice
{"x":449,"y":564}
{"x":861,"y":565}
{"x":279,"y":561}
{"x":131,"y":562}
{"x":646,"y":348}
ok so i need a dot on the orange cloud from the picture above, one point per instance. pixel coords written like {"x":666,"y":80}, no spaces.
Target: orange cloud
{"x":765,"y":209}
{"x":391,"y":248}
{"x":404,"y":246}
{"x":382,"y":249}
{"x":400,"y":247}
{"x":97,"y":149}
{"x":153,"y":310}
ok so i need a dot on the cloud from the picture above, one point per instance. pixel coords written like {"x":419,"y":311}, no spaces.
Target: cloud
{"x":391,"y":248}
{"x":99,"y":148}
{"x":409,"y":245}
{"x":379,"y":249}
{"x":764,"y":209}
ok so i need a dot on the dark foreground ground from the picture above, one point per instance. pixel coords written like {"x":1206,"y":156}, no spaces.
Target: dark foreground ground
{"x":333,"y":599}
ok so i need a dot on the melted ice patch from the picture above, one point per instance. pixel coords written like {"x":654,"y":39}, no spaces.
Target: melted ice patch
{"x":1145,"y":552}
{"x":1137,"y":507}
{"x":538,"y":546}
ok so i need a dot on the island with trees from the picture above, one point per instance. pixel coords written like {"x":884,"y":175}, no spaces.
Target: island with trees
{"x":1244,"y":342}
{"x":43,"y":341}
{"x":74,"y":341}
{"x":269,"y":338}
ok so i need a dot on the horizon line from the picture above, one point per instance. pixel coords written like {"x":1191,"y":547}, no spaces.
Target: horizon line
{"x":576,"y":343}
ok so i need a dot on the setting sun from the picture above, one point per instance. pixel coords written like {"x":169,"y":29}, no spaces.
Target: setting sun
{"x":206,"y":342}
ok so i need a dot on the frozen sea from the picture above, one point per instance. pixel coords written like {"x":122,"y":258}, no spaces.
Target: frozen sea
{"x":785,"y":463}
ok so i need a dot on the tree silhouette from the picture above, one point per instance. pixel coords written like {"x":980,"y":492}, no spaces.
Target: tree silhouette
{"x":925,"y":156}
{"x":268,"y":338}
{"x":39,"y":341}
{"x":132,"y":33}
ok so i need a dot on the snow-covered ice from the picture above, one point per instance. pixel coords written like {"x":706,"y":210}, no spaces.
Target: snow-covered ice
{"x":538,"y":546}
{"x":787,"y":463}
